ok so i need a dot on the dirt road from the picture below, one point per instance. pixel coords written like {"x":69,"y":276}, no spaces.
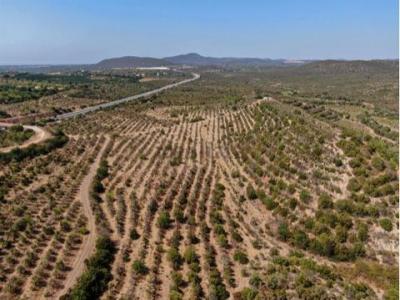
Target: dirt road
{"x":89,"y":241}
{"x":39,"y":136}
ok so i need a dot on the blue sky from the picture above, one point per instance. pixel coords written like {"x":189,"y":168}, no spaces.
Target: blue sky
{"x":86,"y":31}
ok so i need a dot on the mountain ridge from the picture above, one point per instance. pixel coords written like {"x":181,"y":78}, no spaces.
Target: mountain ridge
{"x":191,"y":59}
{"x":131,"y":62}
{"x":197,"y":59}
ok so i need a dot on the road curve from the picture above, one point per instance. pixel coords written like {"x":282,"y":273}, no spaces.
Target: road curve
{"x":123,"y":100}
{"x":39,"y":136}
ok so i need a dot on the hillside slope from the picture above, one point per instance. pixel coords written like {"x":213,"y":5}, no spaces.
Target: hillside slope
{"x":131,"y":62}
{"x":199,"y":60}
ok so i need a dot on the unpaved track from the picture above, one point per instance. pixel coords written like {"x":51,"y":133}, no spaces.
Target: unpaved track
{"x":39,"y":136}
{"x":89,"y":241}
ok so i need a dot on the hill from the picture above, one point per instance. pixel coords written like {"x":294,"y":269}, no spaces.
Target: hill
{"x":374,"y":81}
{"x":199,"y":60}
{"x":337,"y":67}
{"x":131,"y":62}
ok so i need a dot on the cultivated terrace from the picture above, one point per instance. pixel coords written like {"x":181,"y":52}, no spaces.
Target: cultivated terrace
{"x":239,"y":185}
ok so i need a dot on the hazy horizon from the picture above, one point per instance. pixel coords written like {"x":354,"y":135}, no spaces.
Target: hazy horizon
{"x":294,"y":59}
{"x":76,"y":32}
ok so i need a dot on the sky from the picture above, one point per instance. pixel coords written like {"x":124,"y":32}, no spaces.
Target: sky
{"x":87,"y":31}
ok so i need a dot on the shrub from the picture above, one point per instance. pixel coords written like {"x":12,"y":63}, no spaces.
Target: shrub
{"x":248,"y":294}
{"x":102,"y":171}
{"x":190,"y":255}
{"x":300,"y":239}
{"x":362,"y":232}
{"x":325,"y":245}
{"x":241,"y":257}
{"x":217,"y":289}
{"x":98,"y":186}
{"x":222,"y":240}
{"x":134,"y":235}
{"x":283,"y":231}
{"x":255,"y":281}
{"x":251,"y":192}
{"x":338,"y":162}
{"x":94,"y":280}
{"x":378,"y":163}
{"x":269,"y":203}
{"x":164,"y":220}
{"x":175,"y":295}
{"x":292,"y":203}
{"x":386,"y":224}
{"x":19,"y":154}
{"x":325,"y":201}
{"x":341,"y":234}
{"x":353,"y":185}
{"x":177,"y":280}
{"x":175,"y":258}
{"x":179,"y":215}
{"x":139,"y":267}
{"x":236,"y":236}
{"x":305,"y":196}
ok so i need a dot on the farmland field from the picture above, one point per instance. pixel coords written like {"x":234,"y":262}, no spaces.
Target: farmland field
{"x":244,"y":184}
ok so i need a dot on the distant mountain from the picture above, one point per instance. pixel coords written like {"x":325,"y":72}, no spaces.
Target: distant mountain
{"x":131,"y":62}
{"x":336,"y":67}
{"x":195,"y":59}
{"x":190,"y":59}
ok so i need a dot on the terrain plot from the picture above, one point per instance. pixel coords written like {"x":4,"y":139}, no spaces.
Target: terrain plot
{"x":229,"y":187}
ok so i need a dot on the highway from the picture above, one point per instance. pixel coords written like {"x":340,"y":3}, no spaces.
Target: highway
{"x":123,"y":100}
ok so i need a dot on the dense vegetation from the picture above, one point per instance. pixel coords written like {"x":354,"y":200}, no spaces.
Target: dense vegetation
{"x":18,"y":154}
{"x":14,"y":135}
{"x":13,"y":94}
{"x":93,"y":281}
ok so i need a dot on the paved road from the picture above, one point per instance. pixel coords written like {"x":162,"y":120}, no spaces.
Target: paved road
{"x":123,"y":100}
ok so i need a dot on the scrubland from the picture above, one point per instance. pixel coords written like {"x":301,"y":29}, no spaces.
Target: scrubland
{"x":226,"y":188}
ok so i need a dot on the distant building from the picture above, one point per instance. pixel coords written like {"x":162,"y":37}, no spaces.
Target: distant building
{"x":153,"y":68}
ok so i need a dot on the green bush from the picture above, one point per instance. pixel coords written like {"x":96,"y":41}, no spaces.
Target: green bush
{"x":283,"y":232}
{"x":386,"y":224}
{"x":300,"y":239}
{"x":139,"y":267}
{"x":14,"y":135}
{"x":305,"y":196}
{"x":217,"y":289}
{"x":362,"y":232}
{"x":19,"y":154}
{"x":175,"y":258}
{"x":133,"y":234}
{"x":190,"y":255}
{"x":248,"y":294}
{"x":164,"y":220}
{"x":251,"y":192}
{"x":325,"y":201}
{"x":179,"y":215}
{"x":175,"y":295}
{"x":269,"y":203}
{"x":240,"y":257}
{"x":93,"y":282}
